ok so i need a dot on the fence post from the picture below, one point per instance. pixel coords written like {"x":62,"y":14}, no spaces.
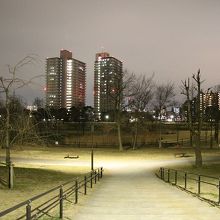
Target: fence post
{"x":219,"y":191}
{"x":28,"y":211}
{"x":185,"y":177}
{"x":175,"y":177}
{"x":101,"y":172}
{"x":163,"y":173}
{"x":199,"y":178}
{"x":95,"y":176}
{"x":91,"y":179}
{"x":61,"y":201}
{"x":76,"y":191}
{"x":85,"y":185}
{"x":92,"y":160}
{"x":98,"y":174}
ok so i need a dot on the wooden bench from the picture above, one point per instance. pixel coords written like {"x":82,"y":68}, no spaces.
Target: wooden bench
{"x":180,"y":154}
{"x":71,"y":157}
{"x":167,"y":144}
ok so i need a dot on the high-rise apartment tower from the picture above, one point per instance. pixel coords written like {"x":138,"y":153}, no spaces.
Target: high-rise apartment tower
{"x":65,"y":81}
{"x":107,"y":72}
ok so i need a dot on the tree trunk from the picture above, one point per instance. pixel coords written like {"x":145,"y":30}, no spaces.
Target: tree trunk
{"x":135,"y":135}
{"x":177,"y":133}
{"x":195,"y":133}
{"x":191,"y":139}
{"x":160,"y":135}
{"x":7,"y":143}
{"x":119,"y":137}
{"x":7,"y":139}
{"x":198,"y":153}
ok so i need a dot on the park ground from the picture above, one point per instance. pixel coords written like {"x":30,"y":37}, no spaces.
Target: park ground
{"x":38,"y":169}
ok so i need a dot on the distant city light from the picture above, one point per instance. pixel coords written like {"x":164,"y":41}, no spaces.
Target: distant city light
{"x":31,"y":107}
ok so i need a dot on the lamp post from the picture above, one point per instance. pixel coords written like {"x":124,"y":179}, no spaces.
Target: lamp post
{"x":211,"y":138}
{"x":92,"y":153}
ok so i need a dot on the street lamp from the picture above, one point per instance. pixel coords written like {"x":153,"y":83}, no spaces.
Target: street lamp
{"x":92,"y":155}
{"x":106,"y":117}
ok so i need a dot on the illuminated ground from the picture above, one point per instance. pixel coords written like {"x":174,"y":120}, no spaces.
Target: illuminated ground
{"x":130,"y":190}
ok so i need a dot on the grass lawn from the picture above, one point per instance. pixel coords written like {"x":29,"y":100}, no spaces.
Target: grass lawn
{"x":31,"y":180}
{"x":207,"y":191}
{"x":206,"y":169}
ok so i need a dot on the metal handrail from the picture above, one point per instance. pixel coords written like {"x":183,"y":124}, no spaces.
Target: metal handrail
{"x":173,"y":176}
{"x":76,"y":184}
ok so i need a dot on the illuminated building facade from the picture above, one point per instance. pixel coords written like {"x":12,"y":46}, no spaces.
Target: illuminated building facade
{"x":107,"y":72}
{"x":209,"y":102}
{"x":65,"y":81}
{"x":211,"y":99}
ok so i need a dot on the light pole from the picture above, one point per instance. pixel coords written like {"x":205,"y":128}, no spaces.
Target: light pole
{"x":92,"y":153}
{"x":211,"y":139}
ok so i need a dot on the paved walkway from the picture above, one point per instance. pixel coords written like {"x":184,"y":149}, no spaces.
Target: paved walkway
{"x":135,"y":194}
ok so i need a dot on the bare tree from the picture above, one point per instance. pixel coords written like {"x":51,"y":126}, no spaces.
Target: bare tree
{"x":164,"y":97}
{"x":8,"y":86}
{"x":119,"y":91}
{"x":195,"y":130}
{"x":142,"y":95}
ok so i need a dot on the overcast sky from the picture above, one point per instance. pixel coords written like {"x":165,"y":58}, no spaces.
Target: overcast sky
{"x":171,"y":38}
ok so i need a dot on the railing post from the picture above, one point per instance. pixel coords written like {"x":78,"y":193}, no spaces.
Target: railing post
{"x":85,"y":185}
{"x":28,"y":211}
{"x":92,"y":160}
{"x":95,"y":176}
{"x":101,"y":172}
{"x":60,"y":196}
{"x":160,"y":172}
{"x":61,"y":201}
{"x":168,"y":175}
{"x":199,"y":185}
{"x":219,"y":191}
{"x":91,"y":177}
{"x":76,"y":191}
{"x":175,"y":177}
{"x":163,"y":173}
{"x":185,"y":178}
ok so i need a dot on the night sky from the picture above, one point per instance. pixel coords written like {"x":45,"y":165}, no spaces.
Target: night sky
{"x":171,"y":38}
